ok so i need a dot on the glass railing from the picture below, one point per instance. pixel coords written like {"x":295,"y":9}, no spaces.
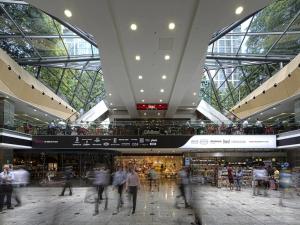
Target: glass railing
{"x":165,"y":129}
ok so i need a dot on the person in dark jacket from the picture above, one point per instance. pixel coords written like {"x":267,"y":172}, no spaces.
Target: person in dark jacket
{"x":68,"y":175}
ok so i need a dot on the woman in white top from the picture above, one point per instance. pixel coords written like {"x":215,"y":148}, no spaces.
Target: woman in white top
{"x":132,"y":185}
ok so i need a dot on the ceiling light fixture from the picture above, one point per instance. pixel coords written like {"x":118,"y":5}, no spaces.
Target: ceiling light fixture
{"x":145,"y":114}
{"x":274,"y":108}
{"x":164,"y":77}
{"x":194,"y":93}
{"x":167,"y":57}
{"x":133,"y":26}
{"x":111,"y":103}
{"x":143,"y":100}
{"x":172,"y":26}
{"x":46,"y":114}
{"x":142,"y":90}
{"x":162,"y":90}
{"x":140,"y":77}
{"x":109,"y":94}
{"x":158,"y":114}
{"x":239,"y":10}
{"x":68,"y":13}
{"x":193,"y":103}
{"x":160,"y":100}
{"x":35,"y":110}
{"x":137,"y":57}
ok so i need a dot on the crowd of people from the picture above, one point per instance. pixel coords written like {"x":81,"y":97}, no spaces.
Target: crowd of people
{"x":265,"y":178}
{"x":155,"y":128}
{"x":127,"y":180}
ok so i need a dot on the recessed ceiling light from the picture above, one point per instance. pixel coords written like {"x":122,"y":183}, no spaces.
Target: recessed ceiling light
{"x":261,"y":113}
{"x":142,"y":90}
{"x":160,"y":100}
{"x":35,"y":110}
{"x":145,"y":114}
{"x":167,"y":57}
{"x":274,"y":108}
{"x":143,"y":100}
{"x":194,"y":93}
{"x":133,"y":26}
{"x":171,"y":26}
{"x":68,"y":13}
{"x":140,"y":77}
{"x":164,"y":77}
{"x":162,"y":90}
{"x":158,"y":114}
{"x":46,"y":114}
{"x":137,"y":57}
{"x":194,"y":103}
{"x":111,"y":103}
{"x":109,"y":94}
{"x":239,"y":10}
{"x":7,"y":96}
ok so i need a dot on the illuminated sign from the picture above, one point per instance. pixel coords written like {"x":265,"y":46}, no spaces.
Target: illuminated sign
{"x":162,"y":106}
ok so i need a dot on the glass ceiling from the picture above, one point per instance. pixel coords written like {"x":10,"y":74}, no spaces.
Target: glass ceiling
{"x":63,"y":57}
{"x":243,"y":55}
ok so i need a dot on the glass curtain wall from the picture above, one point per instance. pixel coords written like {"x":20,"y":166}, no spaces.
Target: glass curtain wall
{"x":243,"y":55}
{"x":63,"y":57}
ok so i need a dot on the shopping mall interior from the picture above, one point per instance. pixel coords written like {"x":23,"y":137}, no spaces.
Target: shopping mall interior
{"x":147,"y":112}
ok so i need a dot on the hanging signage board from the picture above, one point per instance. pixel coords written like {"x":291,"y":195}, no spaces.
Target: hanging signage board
{"x":163,"y":141}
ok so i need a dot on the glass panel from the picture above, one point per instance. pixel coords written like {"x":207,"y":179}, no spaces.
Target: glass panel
{"x":68,"y":93}
{"x":219,"y":78}
{"x":77,"y":104}
{"x":275,"y":17}
{"x":260,"y":44}
{"x":81,"y":92}
{"x":49,"y":47}
{"x":78,"y":46}
{"x":227,"y":102}
{"x":86,"y":80}
{"x":228,"y":44}
{"x":296,"y":24}
{"x":50,"y":77}
{"x":31,"y":20}
{"x":69,"y":80}
{"x":7,"y":26}
{"x":17,"y":48}
{"x":288,"y":45}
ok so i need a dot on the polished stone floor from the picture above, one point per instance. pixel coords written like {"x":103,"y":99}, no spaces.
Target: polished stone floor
{"x":43,"y":206}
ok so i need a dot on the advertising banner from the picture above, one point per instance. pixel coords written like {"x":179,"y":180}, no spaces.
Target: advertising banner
{"x":184,"y":142}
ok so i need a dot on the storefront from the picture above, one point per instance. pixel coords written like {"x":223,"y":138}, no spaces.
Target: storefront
{"x":213,"y":165}
{"x":166,"y":166}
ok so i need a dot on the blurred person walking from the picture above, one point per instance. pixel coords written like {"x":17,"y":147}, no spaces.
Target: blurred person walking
{"x":132,"y":185}
{"x":119,"y":181}
{"x":285,"y":183}
{"x":230,"y":177}
{"x":152,"y":176}
{"x":239,"y":177}
{"x":183,"y":184}
{"x":21,"y":179}
{"x":6,"y":188}
{"x":260,"y":177}
{"x":68,"y":175}
{"x":102,"y":178}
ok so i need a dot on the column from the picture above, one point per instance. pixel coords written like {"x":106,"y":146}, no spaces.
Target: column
{"x":6,"y":157}
{"x":297,"y":111}
{"x":7,"y":113}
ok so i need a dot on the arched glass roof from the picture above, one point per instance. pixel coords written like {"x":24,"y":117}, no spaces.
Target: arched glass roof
{"x":243,"y":55}
{"x":63,"y":57}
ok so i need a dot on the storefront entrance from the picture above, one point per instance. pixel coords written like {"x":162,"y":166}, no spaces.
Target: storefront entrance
{"x":166,"y":166}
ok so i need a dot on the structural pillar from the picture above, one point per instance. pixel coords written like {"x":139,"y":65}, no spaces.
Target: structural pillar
{"x":297,"y":111}
{"x":7,"y":113}
{"x":6,"y":157}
